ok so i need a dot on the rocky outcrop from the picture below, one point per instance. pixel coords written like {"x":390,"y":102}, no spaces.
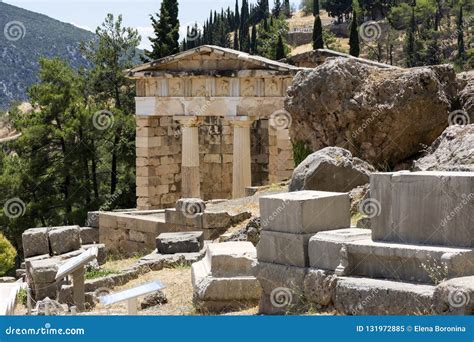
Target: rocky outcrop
{"x":380,"y":115}
{"x":452,"y":151}
{"x":466,"y":94}
{"x":331,"y":169}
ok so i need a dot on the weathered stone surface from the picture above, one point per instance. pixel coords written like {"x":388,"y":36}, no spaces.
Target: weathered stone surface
{"x":184,"y":242}
{"x":412,"y":263}
{"x":320,"y":286}
{"x":93,"y":219}
{"x":224,"y":280}
{"x":324,"y":247}
{"x":364,"y":108}
{"x":438,"y":204}
{"x":364,"y":296}
{"x":4,"y":280}
{"x":452,"y":151}
{"x":331,"y":169}
{"x":251,"y":232}
{"x":466,"y":94}
{"x":64,"y":239}
{"x":454,"y":296}
{"x":35,"y":242}
{"x":89,"y":235}
{"x":230,"y":259}
{"x":284,"y":248}
{"x":305,"y":212}
{"x":154,"y":299}
{"x":41,"y":277}
{"x":282,"y":287}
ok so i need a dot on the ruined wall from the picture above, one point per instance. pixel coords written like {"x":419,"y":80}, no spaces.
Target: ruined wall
{"x":158,"y":146}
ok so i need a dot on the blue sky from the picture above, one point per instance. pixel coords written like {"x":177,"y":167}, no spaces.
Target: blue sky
{"x":89,"y":14}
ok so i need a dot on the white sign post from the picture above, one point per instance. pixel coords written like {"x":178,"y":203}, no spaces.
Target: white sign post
{"x":131,"y":296}
{"x":75,"y":267}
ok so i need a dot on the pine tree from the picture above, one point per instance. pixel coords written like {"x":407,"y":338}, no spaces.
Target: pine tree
{"x":318,"y":42}
{"x":280,"y":49}
{"x":354,"y":48}
{"x":166,"y":31}
{"x":410,"y":41}
{"x":460,"y":32}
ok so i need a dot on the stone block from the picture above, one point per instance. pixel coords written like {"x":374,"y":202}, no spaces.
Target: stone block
{"x":324,"y":247}
{"x":35,"y":242}
{"x":454,"y":297}
{"x":89,"y":235}
{"x":404,"y":262}
{"x":320,"y":287}
{"x":431,"y":208}
{"x":64,"y":239}
{"x":364,"y":296}
{"x":284,"y":248}
{"x":212,"y":220}
{"x":42,"y":271}
{"x":190,"y":206}
{"x":222,"y":289}
{"x":183,"y":242}
{"x":93,"y":219}
{"x":282,"y":287}
{"x":305,"y":212}
{"x":223,"y":279}
{"x":230,"y":259}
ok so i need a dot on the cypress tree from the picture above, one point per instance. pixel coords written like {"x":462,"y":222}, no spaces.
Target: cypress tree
{"x":287,"y":8}
{"x":460,"y":32}
{"x":166,"y":31}
{"x":244,"y":38}
{"x":410,"y":43}
{"x":236,"y":40}
{"x":253,"y":40}
{"x":354,"y":48}
{"x":236,"y":16}
{"x":277,"y":8}
{"x":280,"y":49}
{"x":318,"y":42}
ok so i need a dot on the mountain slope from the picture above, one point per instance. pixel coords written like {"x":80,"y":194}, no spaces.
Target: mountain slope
{"x":27,"y":36}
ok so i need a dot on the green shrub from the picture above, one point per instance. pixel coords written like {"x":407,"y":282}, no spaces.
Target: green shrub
{"x":7,"y":255}
{"x":300,"y":152}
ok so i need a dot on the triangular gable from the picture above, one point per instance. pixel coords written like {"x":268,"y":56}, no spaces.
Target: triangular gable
{"x":212,"y":58}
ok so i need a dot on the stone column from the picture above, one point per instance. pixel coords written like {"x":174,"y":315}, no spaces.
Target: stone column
{"x":190,"y":180}
{"x":241,"y":171}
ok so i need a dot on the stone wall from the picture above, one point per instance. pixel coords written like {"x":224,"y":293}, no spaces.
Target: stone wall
{"x":281,"y":164}
{"x":158,"y":146}
{"x":215,"y":149}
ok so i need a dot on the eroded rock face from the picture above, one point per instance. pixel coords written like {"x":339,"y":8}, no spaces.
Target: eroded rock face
{"x":331,"y":169}
{"x":380,"y":115}
{"x":466,"y":94}
{"x":452,"y":151}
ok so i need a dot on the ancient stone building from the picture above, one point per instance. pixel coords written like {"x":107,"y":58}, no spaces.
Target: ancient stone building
{"x":210,"y":122}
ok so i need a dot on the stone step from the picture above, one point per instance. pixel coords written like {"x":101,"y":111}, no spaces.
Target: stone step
{"x":404,"y":262}
{"x":365,"y":296}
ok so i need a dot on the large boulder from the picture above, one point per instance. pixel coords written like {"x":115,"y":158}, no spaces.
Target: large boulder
{"x":452,"y":151}
{"x":382,"y":116}
{"x":466,"y":95}
{"x":331,"y":169}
